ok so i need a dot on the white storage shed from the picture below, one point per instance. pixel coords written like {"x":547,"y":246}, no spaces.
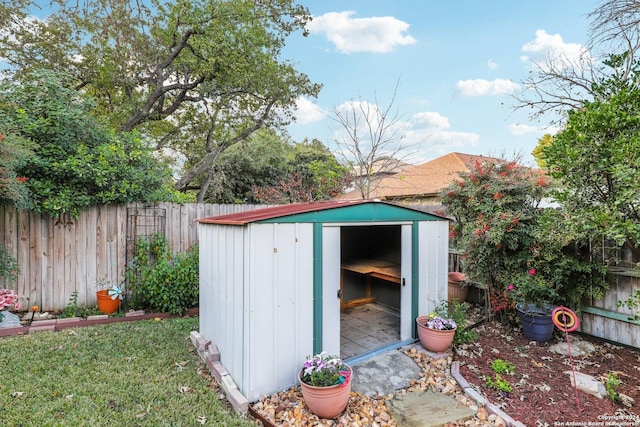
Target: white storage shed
{"x":273,"y":281}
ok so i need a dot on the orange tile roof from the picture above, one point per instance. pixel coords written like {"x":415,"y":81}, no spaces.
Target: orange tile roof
{"x":426,"y":179}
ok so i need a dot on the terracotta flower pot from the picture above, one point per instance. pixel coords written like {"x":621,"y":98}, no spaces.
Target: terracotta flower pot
{"x":105,"y":304}
{"x":434,"y":340}
{"x":326,"y":402}
{"x":457,"y":290}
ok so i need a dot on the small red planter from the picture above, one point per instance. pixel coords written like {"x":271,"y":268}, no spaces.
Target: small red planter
{"x":105,"y":304}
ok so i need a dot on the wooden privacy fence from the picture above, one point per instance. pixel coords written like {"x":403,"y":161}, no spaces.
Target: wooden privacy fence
{"x":603,"y":318}
{"x":58,"y":256}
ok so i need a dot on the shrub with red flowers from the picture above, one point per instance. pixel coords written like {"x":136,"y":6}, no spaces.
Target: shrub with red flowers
{"x":518,"y":249}
{"x":493,"y":206}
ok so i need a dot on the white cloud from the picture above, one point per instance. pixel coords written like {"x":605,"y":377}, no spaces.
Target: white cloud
{"x":551,"y":47}
{"x":492,"y":65}
{"x":423,"y":135}
{"x":430,"y":131}
{"x":480,"y":87}
{"x":350,"y":35}
{"x":431,"y":118}
{"x":524,"y":129}
{"x":521,"y":129}
{"x":307,"y":112}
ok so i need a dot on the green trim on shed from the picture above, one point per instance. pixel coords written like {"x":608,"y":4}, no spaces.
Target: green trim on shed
{"x":415,"y":276}
{"x":317,"y":288}
{"x":366,"y":212}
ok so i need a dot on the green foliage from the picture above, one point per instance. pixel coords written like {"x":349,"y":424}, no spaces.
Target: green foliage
{"x":76,"y":161}
{"x":14,"y":153}
{"x":500,"y":366}
{"x":194,"y":77}
{"x":595,"y":158}
{"x":520,"y":250}
{"x":611,"y":384}
{"x":326,"y":177}
{"x":268,"y":169}
{"x":9,"y":269}
{"x":499,"y":383}
{"x":632,"y":303}
{"x":494,"y":206}
{"x":74,"y":310}
{"x":458,"y":313}
{"x":160,"y":281}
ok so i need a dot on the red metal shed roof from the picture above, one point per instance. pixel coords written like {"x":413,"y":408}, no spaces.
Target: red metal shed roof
{"x":241,"y":218}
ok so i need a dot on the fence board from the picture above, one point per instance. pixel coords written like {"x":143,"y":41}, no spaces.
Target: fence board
{"x":60,"y":255}
{"x":58,"y":262}
{"x":81,"y":257}
{"x":22,"y":251}
{"x":88,"y":283}
{"x":45,"y":287}
{"x":35,"y":260}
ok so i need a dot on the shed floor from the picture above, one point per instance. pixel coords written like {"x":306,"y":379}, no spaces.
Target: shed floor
{"x":367,"y":327}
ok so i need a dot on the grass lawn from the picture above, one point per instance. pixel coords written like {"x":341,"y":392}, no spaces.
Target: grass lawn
{"x":143,"y":373}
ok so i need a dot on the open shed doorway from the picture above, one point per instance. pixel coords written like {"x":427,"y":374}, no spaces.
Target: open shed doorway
{"x":370,"y":287}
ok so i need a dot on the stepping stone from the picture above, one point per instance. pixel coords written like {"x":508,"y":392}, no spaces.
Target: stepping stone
{"x":427,"y":409}
{"x":588,"y":384}
{"x":578,"y":347}
{"x":384,"y":374}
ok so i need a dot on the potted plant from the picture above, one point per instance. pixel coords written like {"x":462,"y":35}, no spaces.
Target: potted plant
{"x":109,"y":299}
{"x":325,"y":381}
{"x":436,"y":332}
{"x":8,"y":298}
{"x":458,"y":289}
{"x":534,"y":299}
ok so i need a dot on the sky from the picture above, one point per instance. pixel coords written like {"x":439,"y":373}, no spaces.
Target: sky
{"x":455,"y":64}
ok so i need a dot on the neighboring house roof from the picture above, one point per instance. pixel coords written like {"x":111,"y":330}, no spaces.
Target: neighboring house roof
{"x":424,"y":180}
{"x":385,"y":166}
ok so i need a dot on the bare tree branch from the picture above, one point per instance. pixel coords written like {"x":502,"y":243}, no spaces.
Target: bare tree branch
{"x":372,"y":141}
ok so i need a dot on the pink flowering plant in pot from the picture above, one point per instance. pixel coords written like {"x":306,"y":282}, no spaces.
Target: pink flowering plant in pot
{"x":325,"y":382}
{"x":8,"y":298}
{"x":436,"y":332}
{"x":433,"y":321}
{"x":324,"y":370}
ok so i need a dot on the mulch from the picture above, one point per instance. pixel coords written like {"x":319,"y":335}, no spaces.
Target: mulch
{"x":542,"y":393}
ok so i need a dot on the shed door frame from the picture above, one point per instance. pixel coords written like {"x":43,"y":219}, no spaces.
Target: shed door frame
{"x":327,"y":321}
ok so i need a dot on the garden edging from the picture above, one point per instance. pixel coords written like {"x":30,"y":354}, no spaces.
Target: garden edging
{"x":482,"y":401}
{"x":77,"y":322}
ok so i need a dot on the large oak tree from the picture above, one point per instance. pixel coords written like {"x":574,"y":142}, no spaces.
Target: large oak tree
{"x":192,"y":76}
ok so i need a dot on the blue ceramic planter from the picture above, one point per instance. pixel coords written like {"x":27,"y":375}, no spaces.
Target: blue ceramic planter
{"x":537,"y":323}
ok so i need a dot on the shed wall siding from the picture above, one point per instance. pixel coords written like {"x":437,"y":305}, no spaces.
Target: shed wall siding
{"x":222,"y":303}
{"x":280,"y":304}
{"x":433,"y":264}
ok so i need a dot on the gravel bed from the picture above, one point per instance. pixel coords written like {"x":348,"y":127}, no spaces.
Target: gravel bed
{"x":287,"y":408}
